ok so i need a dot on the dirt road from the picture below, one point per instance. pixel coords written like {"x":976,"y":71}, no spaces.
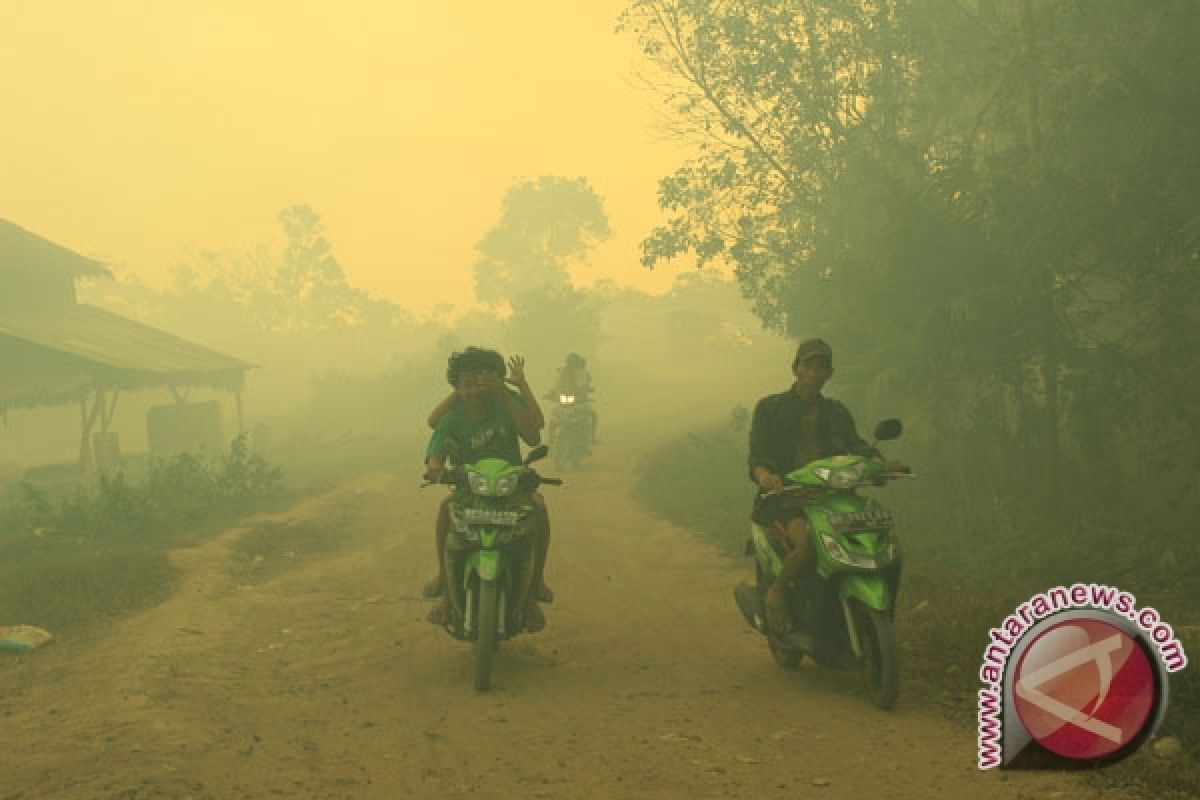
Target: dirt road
{"x":326,"y":682}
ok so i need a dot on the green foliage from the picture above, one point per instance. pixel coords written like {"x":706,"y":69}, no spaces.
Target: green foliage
{"x":965,"y":567}
{"x":548,"y":323}
{"x":64,"y":587}
{"x":67,"y":563}
{"x":286,"y":307}
{"x":544,"y":225}
{"x":700,"y":482}
{"x":176,"y":495}
{"x":991,"y":210}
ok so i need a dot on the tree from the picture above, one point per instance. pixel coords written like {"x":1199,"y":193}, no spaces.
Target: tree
{"x":995,"y":203}
{"x":770,"y":95}
{"x":544,"y":225}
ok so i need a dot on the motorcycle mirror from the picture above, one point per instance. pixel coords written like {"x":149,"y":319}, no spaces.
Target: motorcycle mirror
{"x":536,"y":454}
{"x":888,"y":429}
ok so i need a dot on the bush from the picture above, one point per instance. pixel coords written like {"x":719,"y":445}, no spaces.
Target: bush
{"x":89,"y":554}
{"x":966,"y":568}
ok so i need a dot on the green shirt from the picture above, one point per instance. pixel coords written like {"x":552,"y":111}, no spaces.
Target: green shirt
{"x":494,"y":436}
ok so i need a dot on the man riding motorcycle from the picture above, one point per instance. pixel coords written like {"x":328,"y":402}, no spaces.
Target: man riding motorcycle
{"x":573,"y":380}
{"x":481,"y":418}
{"x":789,"y":430}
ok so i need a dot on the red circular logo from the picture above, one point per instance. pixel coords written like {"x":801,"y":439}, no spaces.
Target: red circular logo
{"x":1084,"y":688}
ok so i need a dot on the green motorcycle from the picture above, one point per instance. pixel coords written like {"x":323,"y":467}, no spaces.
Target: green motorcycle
{"x":490,"y":553}
{"x":843,"y":611}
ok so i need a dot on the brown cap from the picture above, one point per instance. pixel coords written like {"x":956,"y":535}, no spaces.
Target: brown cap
{"x":813,"y":347}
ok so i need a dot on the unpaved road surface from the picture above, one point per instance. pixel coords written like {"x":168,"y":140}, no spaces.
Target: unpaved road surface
{"x":326,"y":682}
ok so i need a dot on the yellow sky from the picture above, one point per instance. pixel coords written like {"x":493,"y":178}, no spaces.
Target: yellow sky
{"x":142,"y":132}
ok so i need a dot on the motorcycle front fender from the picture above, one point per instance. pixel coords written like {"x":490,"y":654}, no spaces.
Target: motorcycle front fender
{"x":485,"y":563}
{"x":872,"y":591}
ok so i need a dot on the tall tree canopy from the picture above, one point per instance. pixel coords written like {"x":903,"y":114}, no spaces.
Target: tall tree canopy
{"x":996,"y":205}
{"x":544,"y":225}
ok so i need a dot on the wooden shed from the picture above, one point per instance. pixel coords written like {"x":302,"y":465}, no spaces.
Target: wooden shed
{"x":55,"y":350}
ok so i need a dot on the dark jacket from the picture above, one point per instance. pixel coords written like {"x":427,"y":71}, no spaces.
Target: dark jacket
{"x":775,"y":432}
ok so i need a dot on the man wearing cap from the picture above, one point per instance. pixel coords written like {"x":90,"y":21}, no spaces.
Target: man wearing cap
{"x":789,"y":430}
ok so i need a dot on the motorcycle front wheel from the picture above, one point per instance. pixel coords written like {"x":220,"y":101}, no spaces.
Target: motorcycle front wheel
{"x":485,"y":642}
{"x":881,"y":667}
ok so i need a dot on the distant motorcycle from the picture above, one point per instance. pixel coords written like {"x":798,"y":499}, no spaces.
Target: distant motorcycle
{"x":844,"y":612}
{"x":490,"y":552}
{"x":572,"y":430}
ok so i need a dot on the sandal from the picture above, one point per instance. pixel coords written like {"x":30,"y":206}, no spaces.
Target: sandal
{"x":535,"y":620}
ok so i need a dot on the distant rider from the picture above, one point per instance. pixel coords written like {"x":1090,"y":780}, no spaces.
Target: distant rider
{"x":573,"y":380}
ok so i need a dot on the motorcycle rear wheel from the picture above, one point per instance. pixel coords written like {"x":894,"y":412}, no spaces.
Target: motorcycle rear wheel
{"x":881,"y":667}
{"x":485,"y":642}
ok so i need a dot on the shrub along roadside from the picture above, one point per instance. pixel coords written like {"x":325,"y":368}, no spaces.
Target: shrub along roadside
{"x":71,"y":561}
{"x":965,"y":570}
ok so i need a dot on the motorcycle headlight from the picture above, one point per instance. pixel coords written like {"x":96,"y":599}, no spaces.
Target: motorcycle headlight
{"x":566,"y":399}
{"x":835,"y":549}
{"x":478,"y":484}
{"x":507,"y":484}
{"x":840,"y":477}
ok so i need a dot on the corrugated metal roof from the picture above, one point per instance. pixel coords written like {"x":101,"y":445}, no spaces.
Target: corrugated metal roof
{"x":85,"y":345}
{"x":24,"y":250}
{"x":115,"y":341}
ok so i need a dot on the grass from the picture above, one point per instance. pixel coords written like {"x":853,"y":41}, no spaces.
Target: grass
{"x":965,"y":570}
{"x":67,"y":588}
{"x":270,"y":548}
{"x":75,"y":559}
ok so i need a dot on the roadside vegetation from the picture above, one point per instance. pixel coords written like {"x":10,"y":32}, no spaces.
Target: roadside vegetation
{"x":966,"y":568}
{"x":72,"y":558}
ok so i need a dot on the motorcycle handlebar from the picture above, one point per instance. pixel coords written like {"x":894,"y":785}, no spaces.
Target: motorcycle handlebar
{"x":907,"y":472}
{"x":452,"y":478}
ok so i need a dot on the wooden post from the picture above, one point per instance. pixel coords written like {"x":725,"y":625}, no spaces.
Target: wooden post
{"x":88,"y":421}
{"x":108,"y":411}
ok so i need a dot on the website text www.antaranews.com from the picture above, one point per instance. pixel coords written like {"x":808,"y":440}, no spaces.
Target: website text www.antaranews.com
{"x":1004,"y":638}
